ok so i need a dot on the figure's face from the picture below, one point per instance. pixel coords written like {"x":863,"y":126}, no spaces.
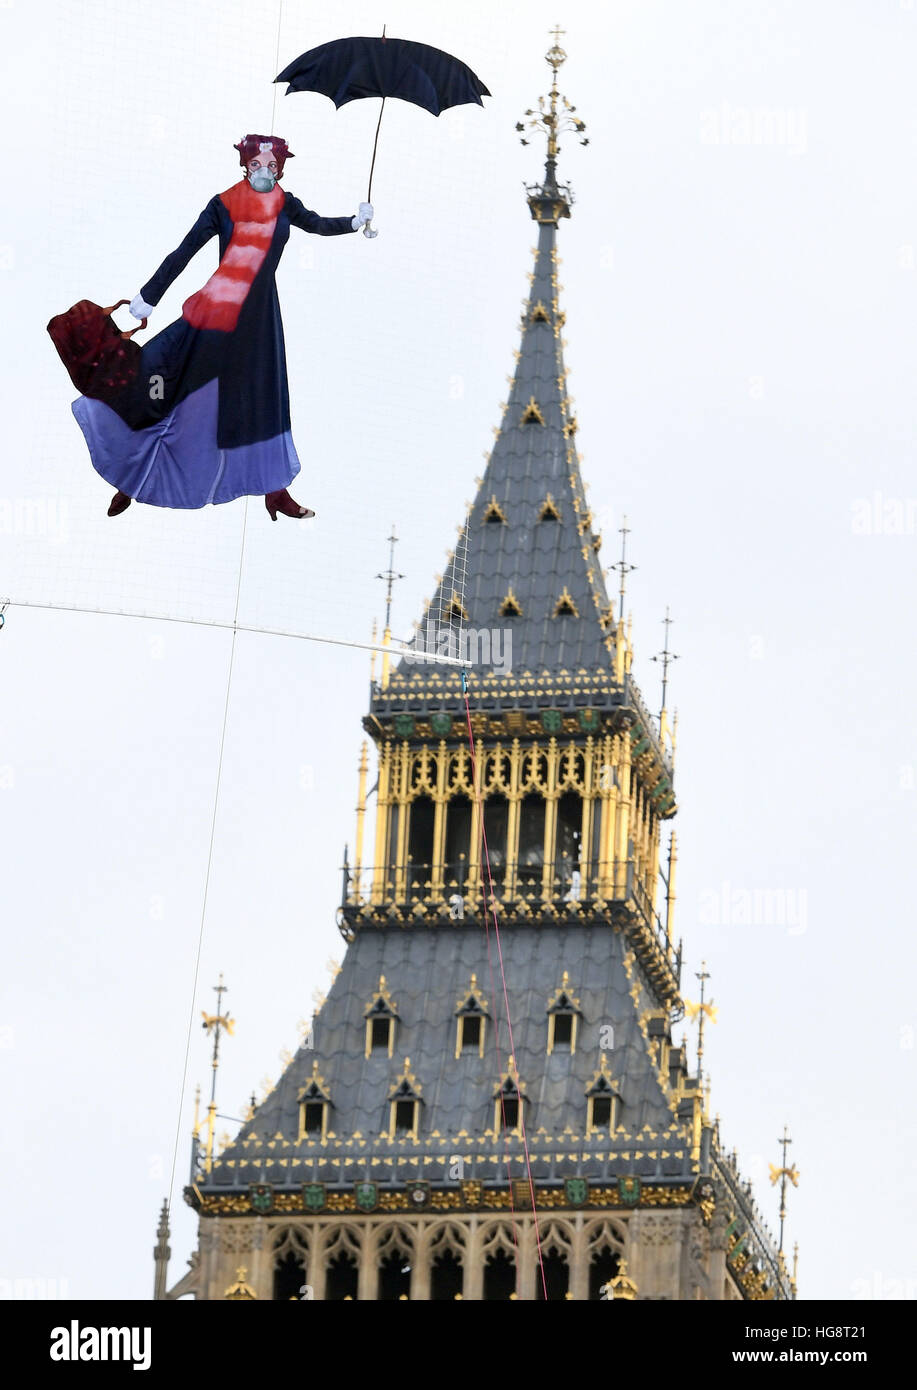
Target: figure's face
{"x":262,"y":171}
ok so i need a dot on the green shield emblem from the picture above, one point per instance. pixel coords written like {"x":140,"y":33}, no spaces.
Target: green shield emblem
{"x":261,"y":1197}
{"x":588,"y":720}
{"x":629,"y":1190}
{"x":551,"y":721}
{"x":313,"y":1196}
{"x":366,"y":1196}
{"x":577,"y":1191}
{"x":404,"y":725}
{"x":441,"y":724}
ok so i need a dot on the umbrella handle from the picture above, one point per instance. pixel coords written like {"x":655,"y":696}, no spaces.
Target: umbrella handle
{"x":369,"y":195}
{"x":367,"y":228}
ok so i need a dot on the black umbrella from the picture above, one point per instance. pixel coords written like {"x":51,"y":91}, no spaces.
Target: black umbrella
{"x":349,"y":69}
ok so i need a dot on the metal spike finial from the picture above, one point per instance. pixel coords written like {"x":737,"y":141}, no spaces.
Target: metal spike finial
{"x":622,"y":568}
{"x":783,"y":1173}
{"x":390,"y":575}
{"x":216,"y":1023}
{"x":666,"y":658}
{"x":701,"y":1011}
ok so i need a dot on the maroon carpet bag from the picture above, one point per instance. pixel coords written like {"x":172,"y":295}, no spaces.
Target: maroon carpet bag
{"x":100,"y":358}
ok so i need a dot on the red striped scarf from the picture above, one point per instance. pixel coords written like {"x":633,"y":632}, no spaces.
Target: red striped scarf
{"x":254,"y":216}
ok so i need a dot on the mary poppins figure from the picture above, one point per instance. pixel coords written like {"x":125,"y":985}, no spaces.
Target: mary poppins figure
{"x":207,"y":417}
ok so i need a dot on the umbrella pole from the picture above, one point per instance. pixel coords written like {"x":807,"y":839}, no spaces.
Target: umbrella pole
{"x":369,"y":195}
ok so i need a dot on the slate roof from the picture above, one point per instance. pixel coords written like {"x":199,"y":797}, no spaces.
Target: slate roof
{"x":538,"y":560}
{"x":427,"y":972}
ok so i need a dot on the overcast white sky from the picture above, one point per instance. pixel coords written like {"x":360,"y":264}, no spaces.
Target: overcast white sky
{"x":740,"y":280}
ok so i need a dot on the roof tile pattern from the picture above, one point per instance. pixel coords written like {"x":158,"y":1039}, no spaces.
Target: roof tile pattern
{"x":531,"y":552}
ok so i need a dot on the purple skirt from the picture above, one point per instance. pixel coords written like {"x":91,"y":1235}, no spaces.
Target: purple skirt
{"x":177,"y":461}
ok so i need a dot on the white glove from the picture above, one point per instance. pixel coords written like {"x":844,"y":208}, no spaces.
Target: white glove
{"x":139,"y":308}
{"x":364,"y":215}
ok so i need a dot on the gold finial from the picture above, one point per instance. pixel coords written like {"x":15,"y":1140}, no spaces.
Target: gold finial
{"x":240,"y":1289}
{"x":372,"y":658}
{"x":670,"y":892}
{"x":389,"y":575}
{"x":547,"y":117}
{"x":215,"y":1023}
{"x":361,"y":807}
{"x":784,"y":1173}
{"x":701,"y":1011}
{"x":621,"y":1286}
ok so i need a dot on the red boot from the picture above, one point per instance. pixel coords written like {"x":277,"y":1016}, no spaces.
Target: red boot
{"x":119,"y":503}
{"x":282,"y":502}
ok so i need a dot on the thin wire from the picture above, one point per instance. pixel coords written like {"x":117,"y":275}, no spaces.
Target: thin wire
{"x":276,"y":66}
{"x":509,"y":1020}
{"x":442,"y":660}
{"x":493,"y":995}
{"x":213,"y":822}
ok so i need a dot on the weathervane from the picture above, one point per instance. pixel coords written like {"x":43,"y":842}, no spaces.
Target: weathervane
{"x":701,"y":1011}
{"x":783,"y":1172}
{"x":215,"y":1023}
{"x":666,"y":657}
{"x":548,"y":118}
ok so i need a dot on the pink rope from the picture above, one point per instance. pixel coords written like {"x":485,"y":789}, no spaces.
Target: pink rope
{"x":509,"y":1021}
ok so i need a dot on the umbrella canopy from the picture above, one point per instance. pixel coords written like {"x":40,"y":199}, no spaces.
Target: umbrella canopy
{"x":348,"y":69}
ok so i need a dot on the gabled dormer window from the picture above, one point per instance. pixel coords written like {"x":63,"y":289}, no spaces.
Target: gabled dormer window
{"x":493,"y":512}
{"x":314,"y":1107}
{"x":602,"y":1100}
{"x":509,"y":1098}
{"x":455,"y":609}
{"x":564,"y":1014}
{"x":532,"y":413}
{"x":404,"y":1101}
{"x":381,"y":1016}
{"x":470,"y":1022}
{"x":510,"y":607}
{"x":549,"y":510}
{"x":565,"y":606}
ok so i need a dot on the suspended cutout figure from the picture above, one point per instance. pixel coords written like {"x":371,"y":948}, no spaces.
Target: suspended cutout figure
{"x":201,"y":413}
